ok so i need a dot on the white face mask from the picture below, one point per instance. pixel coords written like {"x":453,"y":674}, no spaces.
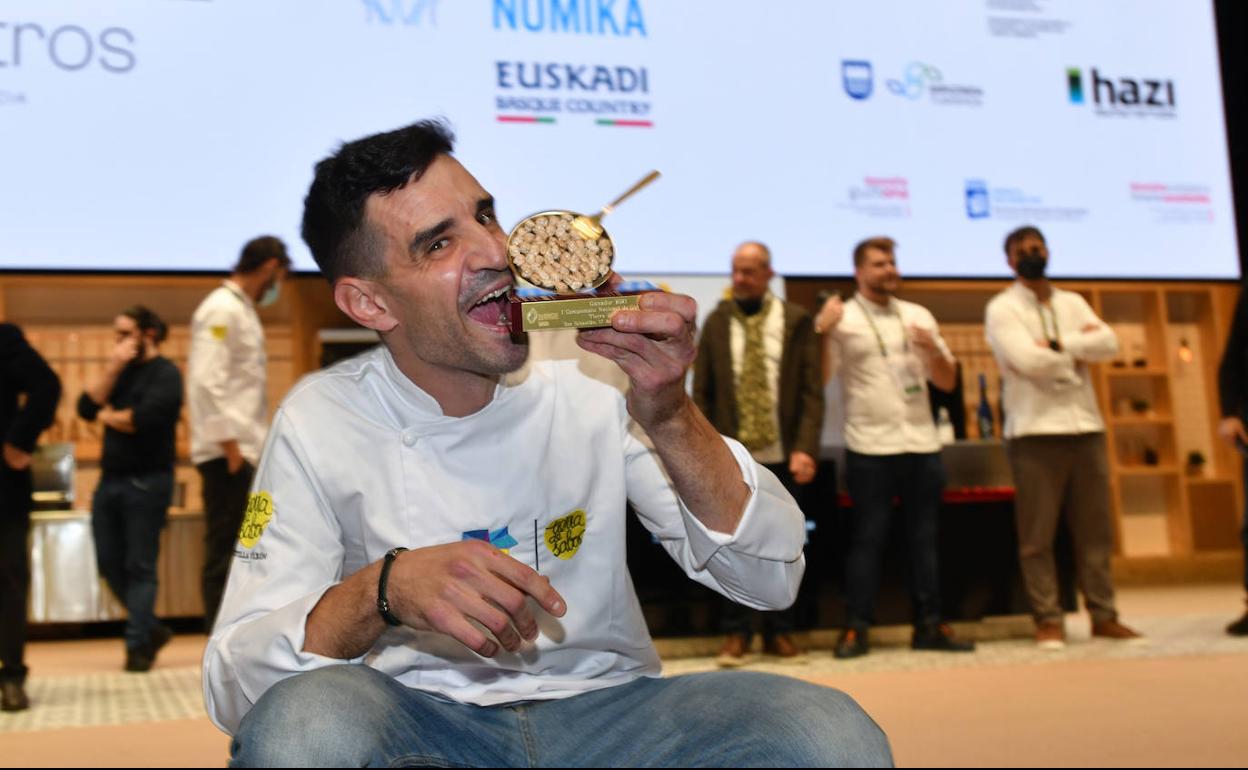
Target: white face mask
{"x":269,"y":298}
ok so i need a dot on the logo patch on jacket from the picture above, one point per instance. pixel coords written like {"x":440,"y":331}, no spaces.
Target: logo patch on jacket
{"x":499,"y":538}
{"x":564,"y":535}
{"x":219,"y":332}
{"x":259,"y":514}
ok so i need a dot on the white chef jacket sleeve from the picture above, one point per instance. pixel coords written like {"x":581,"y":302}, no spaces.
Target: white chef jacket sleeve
{"x":926,"y":320}
{"x":208,"y":373}
{"x":759,"y":565}
{"x":1099,"y":344}
{"x":274,"y":583}
{"x":1016,"y":347}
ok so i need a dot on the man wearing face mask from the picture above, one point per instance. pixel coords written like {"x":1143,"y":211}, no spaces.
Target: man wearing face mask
{"x":226,"y":392}
{"x":1044,"y":338}
{"x":756,"y":378}
{"x":137,"y":396}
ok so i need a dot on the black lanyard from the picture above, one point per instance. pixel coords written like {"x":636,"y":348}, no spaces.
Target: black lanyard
{"x":1055,"y":341}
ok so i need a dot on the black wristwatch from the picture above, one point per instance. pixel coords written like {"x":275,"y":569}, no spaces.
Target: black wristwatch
{"x":383,"y":604}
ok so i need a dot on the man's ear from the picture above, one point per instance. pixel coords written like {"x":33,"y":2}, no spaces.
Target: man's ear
{"x":365,"y":303}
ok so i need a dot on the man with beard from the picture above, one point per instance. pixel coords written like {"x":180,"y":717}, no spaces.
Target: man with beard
{"x":432,"y":565}
{"x":757,"y":379}
{"x":887,"y":350}
{"x":1043,"y":339}
{"x":137,"y":396}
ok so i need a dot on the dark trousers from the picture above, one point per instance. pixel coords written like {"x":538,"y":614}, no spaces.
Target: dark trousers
{"x":874,"y":481}
{"x":1056,"y":476}
{"x":14,"y":570}
{"x":1243,"y":532}
{"x":739,"y":619}
{"x":225,"y":503}
{"x":127,"y":514}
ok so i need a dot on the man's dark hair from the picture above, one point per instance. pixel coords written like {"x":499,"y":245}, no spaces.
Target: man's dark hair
{"x":147,"y":320}
{"x":333,"y":213}
{"x":259,"y":251}
{"x":1023,"y":232}
{"x":881,"y":242}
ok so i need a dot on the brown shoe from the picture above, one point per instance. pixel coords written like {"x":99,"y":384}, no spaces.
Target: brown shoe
{"x":13,"y":697}
{"x":734,"y":652}
{"x":783,"y":647}
{"x":1112,"y":629}
{"x":1050,"y":636}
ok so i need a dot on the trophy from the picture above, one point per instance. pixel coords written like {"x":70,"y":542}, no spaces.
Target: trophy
{"x":562,"y":262}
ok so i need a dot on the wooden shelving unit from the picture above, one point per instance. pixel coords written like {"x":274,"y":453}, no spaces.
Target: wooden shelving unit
{"x":1159,"y":400}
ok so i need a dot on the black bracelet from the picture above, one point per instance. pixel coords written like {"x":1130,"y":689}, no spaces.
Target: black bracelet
{"x":383,"y":604}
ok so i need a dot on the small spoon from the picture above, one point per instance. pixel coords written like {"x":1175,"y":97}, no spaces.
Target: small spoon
{"x":590,"y":228}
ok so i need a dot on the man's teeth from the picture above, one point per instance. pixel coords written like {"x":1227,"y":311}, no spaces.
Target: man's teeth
{"x":493,"y":295}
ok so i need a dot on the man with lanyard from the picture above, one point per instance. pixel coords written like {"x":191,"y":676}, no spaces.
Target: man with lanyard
{"x":226,"y":393}
{"x":887,"y":350}
{"x":756,"y":378}
{"x":1043,"y":339}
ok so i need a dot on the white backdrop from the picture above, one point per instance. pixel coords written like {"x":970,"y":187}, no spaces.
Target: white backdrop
{"x":162,"y":134}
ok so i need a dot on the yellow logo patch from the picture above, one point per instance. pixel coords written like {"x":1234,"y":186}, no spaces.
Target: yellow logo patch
{"x":219,"y":332}
{"x":564,"y":535}
{"x":259,"y":514}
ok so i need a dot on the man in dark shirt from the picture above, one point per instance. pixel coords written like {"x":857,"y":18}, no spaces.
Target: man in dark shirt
{"x":1233,"y":395}
{"x":137,"y":397}
{"x":22,"y":371}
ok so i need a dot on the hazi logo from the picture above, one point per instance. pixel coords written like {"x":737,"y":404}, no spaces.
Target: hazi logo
{"x":1122,"y":96}
{"x":614,"y":18}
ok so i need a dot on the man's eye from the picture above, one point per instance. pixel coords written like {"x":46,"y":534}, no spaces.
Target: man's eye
{"x":486,"y":217}
{"x":439,"y":245}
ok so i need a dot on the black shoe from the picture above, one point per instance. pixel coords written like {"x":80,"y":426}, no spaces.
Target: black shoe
{"x":939,"y":638}
{"x":852,"y":644}
{"x":1239,"y":627}
{"x":158,"y":638}
{"x":138,"y":660}
{"x":13,"y":697}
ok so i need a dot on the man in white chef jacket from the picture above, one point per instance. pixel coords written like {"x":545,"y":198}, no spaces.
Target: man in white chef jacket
{"x":432,"y":564}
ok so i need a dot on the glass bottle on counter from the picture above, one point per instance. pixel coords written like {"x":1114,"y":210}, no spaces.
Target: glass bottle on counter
{"x":983,"y":414}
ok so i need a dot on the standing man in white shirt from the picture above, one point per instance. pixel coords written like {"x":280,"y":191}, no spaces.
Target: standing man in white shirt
{"x":228,"y":405}
{"x":1044,"y":338}
{"x":887,"y":350}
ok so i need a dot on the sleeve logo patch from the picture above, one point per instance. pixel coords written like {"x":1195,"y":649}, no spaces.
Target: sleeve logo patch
{"x":219,"y":332}
{"x":564,"y":535}
{"x":259,"y":514}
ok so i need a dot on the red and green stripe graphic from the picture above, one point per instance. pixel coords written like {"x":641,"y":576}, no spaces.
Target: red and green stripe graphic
{"x":625,"y":123}
{"x":524,"y":119}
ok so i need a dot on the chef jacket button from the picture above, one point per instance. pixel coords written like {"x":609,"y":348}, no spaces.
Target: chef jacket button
{"x":409,"y":438}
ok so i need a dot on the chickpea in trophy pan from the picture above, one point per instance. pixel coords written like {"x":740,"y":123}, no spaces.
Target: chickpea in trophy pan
{"x":547,"y":252}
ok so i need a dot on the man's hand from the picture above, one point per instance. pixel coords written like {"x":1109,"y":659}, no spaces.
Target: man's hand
{"x":803,"y":467}
{"x":123,"y":354}
{"x":1231,"y":430}
{"x":15,"y":458}
{"x":654,"y":346}
{"x":924,"y":340}
{"x":443,"y":588}
{"x":829,"y":315}
{"x":233,"y":456}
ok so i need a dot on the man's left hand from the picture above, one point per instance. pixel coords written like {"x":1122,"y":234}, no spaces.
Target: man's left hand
{"x":802,"y":467}
{"x":654,"y":346}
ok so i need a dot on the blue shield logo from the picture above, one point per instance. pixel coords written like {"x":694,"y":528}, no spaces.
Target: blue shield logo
{"x":856,"y":77}
{"x":977,"y":199}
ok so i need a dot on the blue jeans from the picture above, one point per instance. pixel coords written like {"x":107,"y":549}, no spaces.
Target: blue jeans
{"x":127,"y":513}
{"x":355,"y":716}
{"x":917,"y":480}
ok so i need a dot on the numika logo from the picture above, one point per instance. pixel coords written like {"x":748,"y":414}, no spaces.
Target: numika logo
{"x":617,"y":18}
{"x":1110,"y":93}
